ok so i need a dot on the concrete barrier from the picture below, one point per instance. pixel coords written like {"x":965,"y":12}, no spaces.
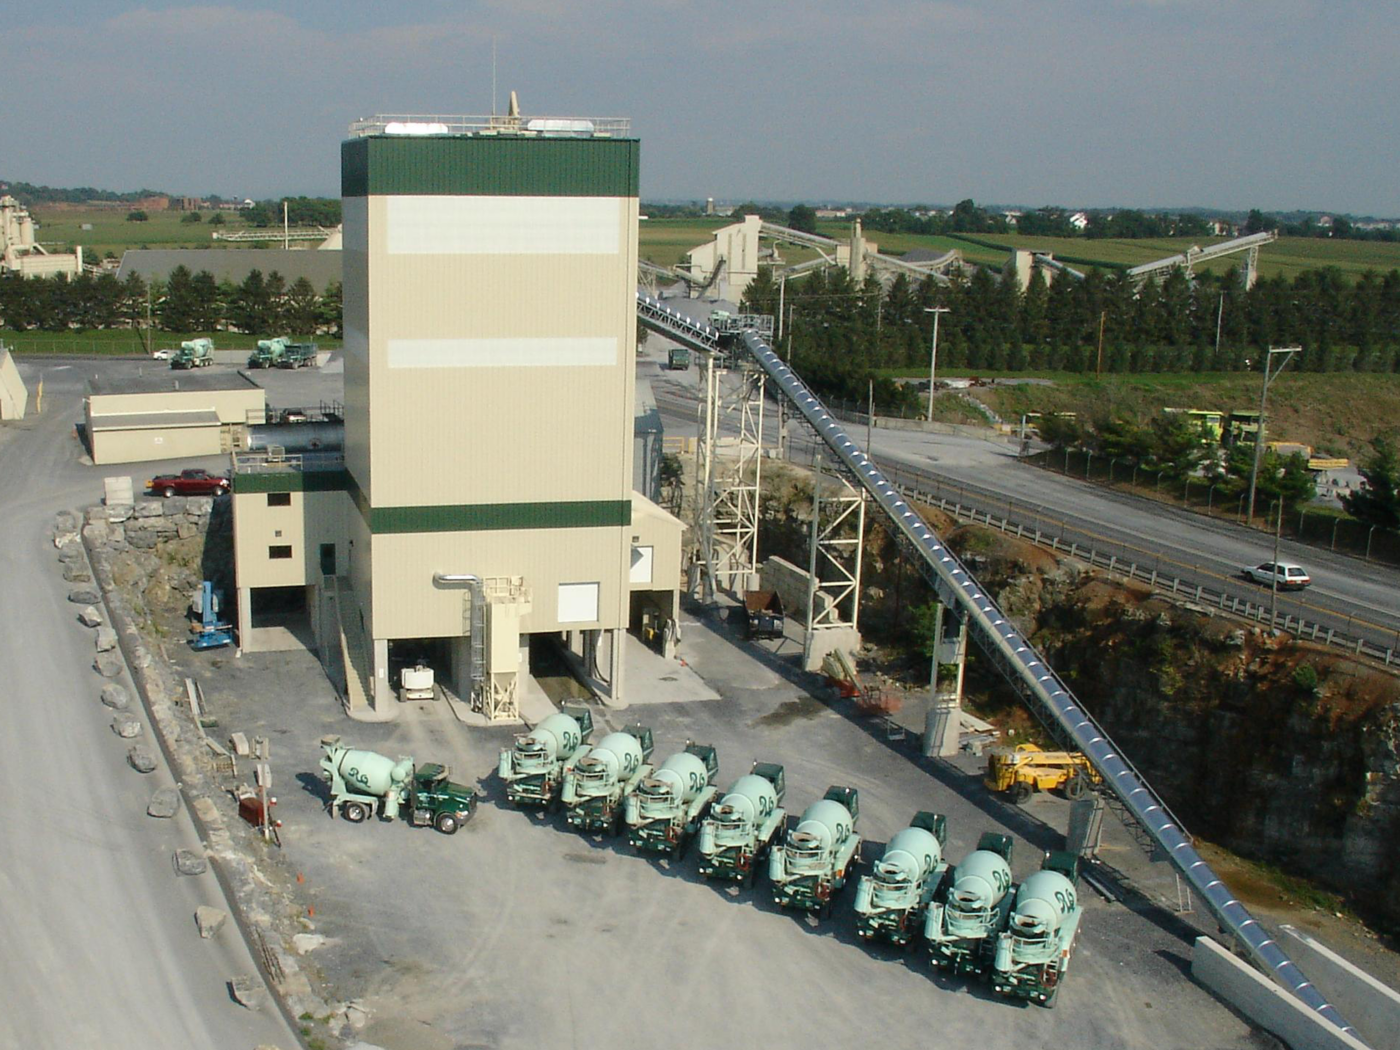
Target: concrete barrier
{"x":1264,"y":1003}
{"x":1365,"y":1002}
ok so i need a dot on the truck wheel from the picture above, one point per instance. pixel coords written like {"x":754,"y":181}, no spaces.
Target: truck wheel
{"x":1049,"y":1003}
{"x":1077,"y":786}
{"x":1021,"y":792}
{"x":354,"y":812}
{"x":447,"y":823}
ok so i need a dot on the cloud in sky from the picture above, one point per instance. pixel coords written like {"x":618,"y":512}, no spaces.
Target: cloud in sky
{"x":1233,"y":103}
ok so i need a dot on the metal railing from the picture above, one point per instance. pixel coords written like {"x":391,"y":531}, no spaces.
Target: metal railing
{"x":456,"y":124}
{"x":1026,"y":669}
{"x":275,"y":461}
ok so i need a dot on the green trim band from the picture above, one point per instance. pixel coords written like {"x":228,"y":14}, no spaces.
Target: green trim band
{"x":464,"y":517}
{"x":292,"y":481}
{"x":481,"y":517}
{"x":486,"y":166}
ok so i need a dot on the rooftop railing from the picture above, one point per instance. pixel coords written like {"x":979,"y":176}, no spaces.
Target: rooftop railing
{"x":425,"y":125}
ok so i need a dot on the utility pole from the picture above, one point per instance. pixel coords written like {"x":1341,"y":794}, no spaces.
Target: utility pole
{"x":286,"y":235}
{"x":782,"y":401}
{"x":1273,"y":585}
{"x":869,"y":416}
{"x":1219,"y":320}
{"x":933,"y":356}
{"x":1098,"y":368}
{"x":1269,"y":374}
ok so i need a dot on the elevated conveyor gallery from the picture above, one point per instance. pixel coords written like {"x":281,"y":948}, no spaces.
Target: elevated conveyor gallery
{"x":1014,"y":655}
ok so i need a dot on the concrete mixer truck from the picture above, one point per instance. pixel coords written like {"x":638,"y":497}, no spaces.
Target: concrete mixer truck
{"x":598,"y":783}
{"x":892,"y":899}
{"x":268,"y":352}
{"x":1032,"y":953}
{"x":533,"y":769}
{"x":667,"y":807}
{"x":363,"y":781}
{"x":962,"y":929}
{"x":811,"y":867}
{"x":196,"y":353}
{"x":739,"y":832}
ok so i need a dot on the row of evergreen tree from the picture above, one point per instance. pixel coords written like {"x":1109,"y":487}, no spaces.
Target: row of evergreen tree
{"x":184,"y":302}
{"x":841,"y":331}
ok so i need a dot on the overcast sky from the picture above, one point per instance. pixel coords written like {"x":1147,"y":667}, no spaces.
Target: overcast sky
{"x":1277,"y":104}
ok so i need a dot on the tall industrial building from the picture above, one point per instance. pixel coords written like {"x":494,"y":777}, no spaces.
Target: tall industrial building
{"x":490,"y":331}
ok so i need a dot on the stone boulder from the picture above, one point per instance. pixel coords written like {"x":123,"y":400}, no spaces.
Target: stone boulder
{"x":108,"y":665}
{"x":84,"y":597}
{"x":105,"y":639}
{"x":126,"y":727}
{"x":188,"y":862}
{"x":141,"y":759}
{"x":115,"y":696}
{"x":90,"y":617}
{"x":164,"y":803}
{"x":209,"y":920}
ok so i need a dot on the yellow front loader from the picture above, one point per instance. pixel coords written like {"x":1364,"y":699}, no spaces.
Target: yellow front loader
{"x":1026,"y":769}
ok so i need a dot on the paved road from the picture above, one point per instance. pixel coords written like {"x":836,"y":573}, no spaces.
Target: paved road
{"x":98,"y":935}
{"x":1348,"y":594}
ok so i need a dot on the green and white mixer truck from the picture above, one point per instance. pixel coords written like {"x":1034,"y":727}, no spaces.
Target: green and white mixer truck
{"x":962,"y":930}
{"x":668,"y":806}
{"x":891,"y":901}
{"x":1032,"y":953}
{"x":533,"y":770}
{"x":268,"y":352}
{"x":812,"y":866}
{"x":741,"y":827}
{"x":363,"y":781}
{"x":597,"y":784}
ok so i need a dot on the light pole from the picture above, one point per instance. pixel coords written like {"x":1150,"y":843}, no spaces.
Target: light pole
{"x":1270,"y":372}
{"x":933,"y":355}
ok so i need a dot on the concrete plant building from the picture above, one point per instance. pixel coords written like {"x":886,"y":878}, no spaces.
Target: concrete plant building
{"x":169,"y":415}
{"x":486,"y":488}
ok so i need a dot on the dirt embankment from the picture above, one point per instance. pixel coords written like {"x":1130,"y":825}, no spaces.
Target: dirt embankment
{"x":1281,"y":751}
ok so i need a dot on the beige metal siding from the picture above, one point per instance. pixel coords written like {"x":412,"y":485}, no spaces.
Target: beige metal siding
{"x":311,"y":519}
{"x":408,"y":605}
{"x":156,"y":443}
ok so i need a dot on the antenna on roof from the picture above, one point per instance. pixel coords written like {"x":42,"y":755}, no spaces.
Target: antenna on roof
{"x":493,"y":76}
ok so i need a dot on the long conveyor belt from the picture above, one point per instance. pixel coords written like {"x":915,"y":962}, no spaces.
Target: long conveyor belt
{"x":997,"y":635}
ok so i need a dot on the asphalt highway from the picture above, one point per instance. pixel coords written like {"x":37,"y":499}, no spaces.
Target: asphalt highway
{"x":1348,"y":594}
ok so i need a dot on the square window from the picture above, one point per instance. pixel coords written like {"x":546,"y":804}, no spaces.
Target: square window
{"x":279,"y":552}
{"x":279,"y":499}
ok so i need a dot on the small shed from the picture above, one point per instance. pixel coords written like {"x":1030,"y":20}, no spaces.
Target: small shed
{"x":135,"y":419}
{"x":14,"y":397}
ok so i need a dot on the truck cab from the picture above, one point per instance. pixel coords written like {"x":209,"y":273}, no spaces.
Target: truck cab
{"x":434,"y":799}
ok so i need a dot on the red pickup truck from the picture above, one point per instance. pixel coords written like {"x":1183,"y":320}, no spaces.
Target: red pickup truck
{"x":188,"y":483}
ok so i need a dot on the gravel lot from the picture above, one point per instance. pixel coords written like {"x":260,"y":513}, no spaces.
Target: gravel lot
{"x":520,"y":933}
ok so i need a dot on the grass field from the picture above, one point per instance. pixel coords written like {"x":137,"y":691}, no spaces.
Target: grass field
{"x":1338,"y":412}
{"x":60,"y":229}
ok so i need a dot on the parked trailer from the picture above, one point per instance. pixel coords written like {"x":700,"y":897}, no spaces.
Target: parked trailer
{"x":962,"y":930}
{"x":596,"y":787}
{"x":1033,"y":952}
{"x":298,"y":355}
{"x":815,"y":862}
{"x":534,"y":768}
{"x":668,"y":806}
{"x":741,"y":827}
{"x":892,"y":900}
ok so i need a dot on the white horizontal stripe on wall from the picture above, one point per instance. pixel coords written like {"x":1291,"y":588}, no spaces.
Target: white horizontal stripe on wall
{"x":428,"y":225}
{"x":502,"y":353}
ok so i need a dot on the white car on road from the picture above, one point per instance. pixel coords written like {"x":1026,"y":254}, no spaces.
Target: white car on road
{"x":1290,"y":577}
{"x":163,"y":355}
